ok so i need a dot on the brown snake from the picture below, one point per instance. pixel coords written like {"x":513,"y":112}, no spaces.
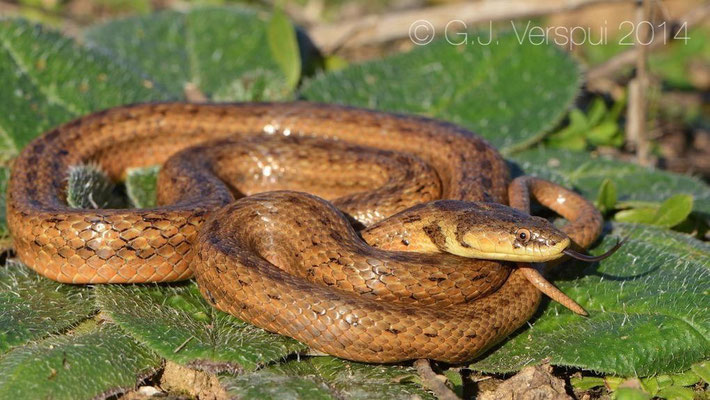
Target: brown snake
{"x":290,"y":262}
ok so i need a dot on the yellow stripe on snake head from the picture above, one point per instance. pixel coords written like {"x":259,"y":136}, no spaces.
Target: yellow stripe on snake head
{"x":482,"y":230}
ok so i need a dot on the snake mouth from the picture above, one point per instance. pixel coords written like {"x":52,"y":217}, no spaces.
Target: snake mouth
{"x":588,"y":258}
{"x":527,"y":255}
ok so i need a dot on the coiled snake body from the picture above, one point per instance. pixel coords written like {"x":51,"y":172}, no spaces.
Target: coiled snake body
{"x":291,"y":262}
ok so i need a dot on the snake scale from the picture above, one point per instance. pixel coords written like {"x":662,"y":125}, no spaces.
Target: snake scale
{"x":411,"y":257}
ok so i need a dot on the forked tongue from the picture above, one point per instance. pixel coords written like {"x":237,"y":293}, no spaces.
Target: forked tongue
{"x":588,"y":258}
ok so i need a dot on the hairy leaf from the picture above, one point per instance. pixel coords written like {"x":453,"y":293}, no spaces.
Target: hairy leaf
{"x":184,"y":328}
{"x":96,"y":364}
{"x":33,"y":307}
{"x":222,"y":52}
{"x":509,"y":91}
{"x":89,"y":187}
{"x":48,"y":79}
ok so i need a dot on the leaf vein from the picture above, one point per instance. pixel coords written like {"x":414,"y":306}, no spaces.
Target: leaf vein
{"x":25,"y":70}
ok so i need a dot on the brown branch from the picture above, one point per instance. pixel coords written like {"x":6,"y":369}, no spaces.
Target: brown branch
{"x":433,"y":382}
{"x":629,"y":57}
{"x":7,"y":9}
{"x":374,"y":29}
{"x":636,"y":111}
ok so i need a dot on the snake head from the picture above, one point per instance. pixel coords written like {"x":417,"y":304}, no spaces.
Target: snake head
{"x":497,"y":232}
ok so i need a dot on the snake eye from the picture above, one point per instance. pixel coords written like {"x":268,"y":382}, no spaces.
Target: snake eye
{"x":523,"y":235}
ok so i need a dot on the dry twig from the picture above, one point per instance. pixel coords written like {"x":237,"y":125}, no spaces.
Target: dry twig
{"x":375,"y":29}
{"x":636,"y":111}
{"x":433,"y":382}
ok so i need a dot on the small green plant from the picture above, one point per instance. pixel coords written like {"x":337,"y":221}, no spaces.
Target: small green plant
{"x":668,"y":386}
{"x":667,"y":214}
{"x":599,"y":126}
{"x":672,"y":212}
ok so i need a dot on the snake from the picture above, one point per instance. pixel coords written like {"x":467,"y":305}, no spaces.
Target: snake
{"x":371,"y":236}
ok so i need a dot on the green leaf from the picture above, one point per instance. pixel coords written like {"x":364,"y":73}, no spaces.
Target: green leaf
{"x":643,"y":215}
{"x":486,"y":88}
{"x":597,"y":111}
{"x":100,"y":363}
{"x":674,"y":210}
{"x":634,"y":183}
{"x":578,"y":121}
{"x":587,"y":382}
{"x":574,"y":135}
{"x":687,"y":378}
{"x":672,"y":387}
{"x":676,"y":393}
{"x":185,"y":329}
{"x":648,"y":310}
{"x":281,"y":36}
{"x":568,"y":139}
{"x":456,"y":380}
{"x":651,"y":385}
{"x":613,"y":382}
{"x":626,"y":393}
{"x":637,"y":204}
{"x":606,"y":198}
{"x":223,"y":51}
{"x":334,"y":63}
{"x":703,"y":370}
{"x":567,"y":133}
{"x":325,"y":378}
{"x":670,"y":213}
{"x":49,"y":79}
{"x":33,"y":307}
{"x":655,"y":384}
{"x":603,"y":134}
{"x":141,"y":186}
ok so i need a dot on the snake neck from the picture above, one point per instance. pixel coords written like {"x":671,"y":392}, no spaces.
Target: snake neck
{"x":479,"y":230}
{"x":424,"y":228}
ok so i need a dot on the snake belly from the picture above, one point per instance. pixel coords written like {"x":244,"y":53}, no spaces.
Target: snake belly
{"x":360,"y":303}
